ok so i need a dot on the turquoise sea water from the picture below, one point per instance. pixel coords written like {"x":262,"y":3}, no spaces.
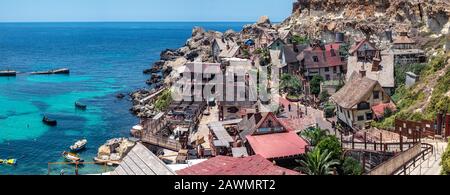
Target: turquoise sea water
{"x":104,"y":59}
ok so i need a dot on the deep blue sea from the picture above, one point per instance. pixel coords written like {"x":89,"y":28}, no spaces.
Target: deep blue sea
{"x":104,"y":59}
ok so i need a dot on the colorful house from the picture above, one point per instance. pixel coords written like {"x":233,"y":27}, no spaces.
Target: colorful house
{"x":357,"y":99}
{"x":265,"y":135}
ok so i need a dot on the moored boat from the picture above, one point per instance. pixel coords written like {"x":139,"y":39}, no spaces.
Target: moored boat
{"x":71,"y":157}
{"x":7,"y":73}
{"x":57,"y":71}
{"x":11,"y":162}
{"x":80,"y":106}
{"x":49,"y":121}
{"x":79,"y":145}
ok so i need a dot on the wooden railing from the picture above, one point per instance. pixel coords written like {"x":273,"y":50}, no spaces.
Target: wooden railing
{"x":403,"y":160}
{"x":162,"y":142}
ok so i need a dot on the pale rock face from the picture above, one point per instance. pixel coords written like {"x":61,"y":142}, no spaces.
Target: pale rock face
{"x":264,"y":20}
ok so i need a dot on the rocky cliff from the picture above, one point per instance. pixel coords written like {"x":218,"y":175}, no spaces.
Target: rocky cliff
{"x":370,"y":18}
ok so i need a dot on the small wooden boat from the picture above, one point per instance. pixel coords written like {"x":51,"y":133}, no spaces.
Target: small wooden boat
{"x":80,"y":106}
{"x":57,"y":71}
{"x":79,"y":145}
{"x":11,"y":162}
{"x":8,"y":73}
{"x":71,"y":157}
{"x":49,"y":122}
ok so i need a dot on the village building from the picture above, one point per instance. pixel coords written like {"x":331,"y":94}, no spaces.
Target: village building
{"x":224,"y":165}
{"x":238,"y":95}
{"x":277,"y":44}
{"x":288,"y":58}
{"x":405,"y":50}
{"x":356,"y":100}
{"x":225,"y":48}
{"x":285,"y":36}
{"x":264,"y":134}
{"x":197,"y":76}
{"x":363,"y":51}
{"x":323,"y":60}
{"x":373,"y":63}
{"x":224,"y":139}
{"x":380,"y":69}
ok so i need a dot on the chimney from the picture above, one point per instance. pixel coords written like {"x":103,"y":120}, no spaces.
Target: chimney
{"x":363,"y":71}
{"x":376,"y":62}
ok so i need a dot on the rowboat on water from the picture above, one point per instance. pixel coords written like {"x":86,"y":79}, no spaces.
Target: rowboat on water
{"x":7,"y":73}
{"x":79,"y":145}
{"x":49,"y":122}
{"x":11,"y":162}
{"x":80,"y":106}
{"x":71,"y":157}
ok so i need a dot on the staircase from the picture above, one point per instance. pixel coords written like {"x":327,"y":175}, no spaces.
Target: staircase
{"x":431,"y":165}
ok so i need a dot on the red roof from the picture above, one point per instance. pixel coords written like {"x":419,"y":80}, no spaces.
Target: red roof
{"x":224,"y":165}
{"x":378,"y":110}
{"x":277,"y":145}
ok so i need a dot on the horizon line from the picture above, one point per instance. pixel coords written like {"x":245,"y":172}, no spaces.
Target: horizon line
{"x":131,"y":21}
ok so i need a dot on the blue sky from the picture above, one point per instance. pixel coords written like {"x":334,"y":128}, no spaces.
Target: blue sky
{"x":142,"y":10}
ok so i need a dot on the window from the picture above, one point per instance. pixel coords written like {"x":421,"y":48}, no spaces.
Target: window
{"x":376,"y":95}
{"x":315,"y":59}
{"x":348,"y":114}
{"x":327,"y":69}
{"x":327,"y":77}
{"x":369,"y":116}
{"x":363,"y":106}
{"x":334,"y":69}
{"x":360,"y":118}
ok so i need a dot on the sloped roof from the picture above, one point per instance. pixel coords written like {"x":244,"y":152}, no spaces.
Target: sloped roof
{"x":378,"y":110}
{"x":328,"y":56}
{"x":385,"y":75}
{"x":255,"y":122}
{"x":354,"y":91}
{"x":403,"y":39}
{"x":277,"y":145}
{"x":224,"y":165}
{"x":290,"y":54}
{"x":141,"y":161}
{"x":228,"y":48}
{"x":355,"y":47}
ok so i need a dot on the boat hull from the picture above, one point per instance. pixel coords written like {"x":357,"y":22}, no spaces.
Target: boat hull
{"x":8,"y":73}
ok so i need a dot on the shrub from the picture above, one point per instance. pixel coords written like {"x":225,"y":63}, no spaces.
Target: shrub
{"x":331,"y":144}
{"x":164,"y":100}
{"x":446,"y":162}
{"x":351,"y":166}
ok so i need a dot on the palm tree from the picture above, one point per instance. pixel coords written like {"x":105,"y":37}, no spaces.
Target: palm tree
{"x":314,"y":135}
{"x":317,"y":162}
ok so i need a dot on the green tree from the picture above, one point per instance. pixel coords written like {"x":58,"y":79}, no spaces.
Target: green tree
{"x":324,"y":96}
{"x":290,"y":84}
{"x":315,"y":84}
{"x":331,"y":143}
{"x":317,"y":162}
{"x":445,"y":163}
{"x":351,"y":166}
{"x":296,"y":39}
{"x":164,"y":100}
